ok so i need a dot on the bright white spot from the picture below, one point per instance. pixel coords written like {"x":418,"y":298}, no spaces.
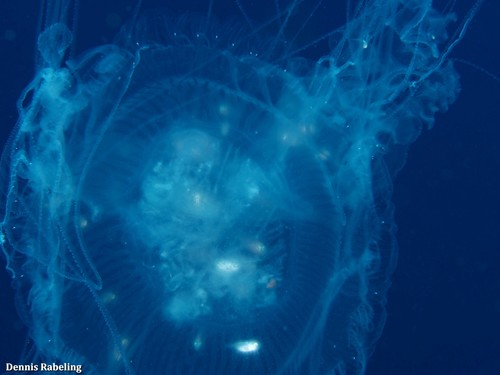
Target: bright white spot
{"x":247,"y":346}
{"x":365,"y":44}
{"x":227,"y":266}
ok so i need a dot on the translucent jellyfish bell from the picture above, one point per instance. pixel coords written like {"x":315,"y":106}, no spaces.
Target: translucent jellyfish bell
{"x":211,"y":194}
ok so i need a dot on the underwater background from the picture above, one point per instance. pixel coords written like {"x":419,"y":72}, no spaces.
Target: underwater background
{"x":443,"y":310}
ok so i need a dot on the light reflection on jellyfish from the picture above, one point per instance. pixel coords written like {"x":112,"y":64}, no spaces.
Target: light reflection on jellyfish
{"x":205,"y":197}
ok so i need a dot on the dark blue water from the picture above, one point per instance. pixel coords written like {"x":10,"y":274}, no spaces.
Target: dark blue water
{"x":444,"y":303}
{"x":443,"y":310}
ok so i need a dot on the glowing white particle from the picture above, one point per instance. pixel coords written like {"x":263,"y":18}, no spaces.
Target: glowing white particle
{"x":365,"y":44}
{"x":227,"y":266}
{"x":247,"y":346}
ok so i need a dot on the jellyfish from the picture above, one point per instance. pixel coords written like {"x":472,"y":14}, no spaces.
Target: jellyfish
{"x":212,"y":194}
